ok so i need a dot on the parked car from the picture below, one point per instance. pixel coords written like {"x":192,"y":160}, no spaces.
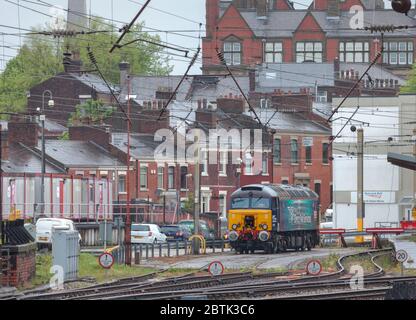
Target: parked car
{"x":176,"y":232}
{"x":146,"y":233}
{"x":44,"y":229}
{"x":203,"y":228}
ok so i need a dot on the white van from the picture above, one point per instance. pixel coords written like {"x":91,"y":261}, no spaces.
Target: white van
{"x":44,"y":229}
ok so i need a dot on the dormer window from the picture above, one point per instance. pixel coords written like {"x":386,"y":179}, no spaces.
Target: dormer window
{"x":232,"y":52}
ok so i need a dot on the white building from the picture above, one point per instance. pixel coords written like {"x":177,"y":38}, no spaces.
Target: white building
{"x":388,"y":123}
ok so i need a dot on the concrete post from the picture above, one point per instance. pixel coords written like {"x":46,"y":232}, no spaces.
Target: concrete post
{"x":360,"y":184}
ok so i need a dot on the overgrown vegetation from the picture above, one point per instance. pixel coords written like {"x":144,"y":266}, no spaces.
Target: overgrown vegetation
{"x":88,"y":268}
{"x":410,"y":86}
{"x":90,"y":112}
{"x":41,"y":57}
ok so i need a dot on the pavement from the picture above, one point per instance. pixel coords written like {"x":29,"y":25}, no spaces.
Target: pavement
{"x":231,"y":260}
{"x":410,"y":248}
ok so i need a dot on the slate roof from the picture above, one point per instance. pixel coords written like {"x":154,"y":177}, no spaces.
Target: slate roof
{"x":145,"y":87}
{"x":79,"y":154}
{"x":283,"y":23}
{"x":53,"y":126}
{"x":23,"y":160}
{"x":94,"y":82}
{"x":142,"y":146}
{"x":206,"y":87}
{"x":294,"y":75}
{"x":290,"y":122}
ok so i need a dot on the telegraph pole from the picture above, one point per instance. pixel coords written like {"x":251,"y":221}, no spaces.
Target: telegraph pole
{"x":197,"y":191}
{"x":360,"y":184}
{"x":127,"y":235}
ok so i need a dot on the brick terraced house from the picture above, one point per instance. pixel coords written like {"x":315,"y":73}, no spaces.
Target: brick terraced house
{"x":254,"y":32}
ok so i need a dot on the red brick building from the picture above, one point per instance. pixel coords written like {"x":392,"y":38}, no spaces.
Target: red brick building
{"x":251,"y":33}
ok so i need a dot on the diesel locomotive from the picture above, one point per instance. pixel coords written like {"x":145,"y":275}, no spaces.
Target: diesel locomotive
{"x":273,"y":218}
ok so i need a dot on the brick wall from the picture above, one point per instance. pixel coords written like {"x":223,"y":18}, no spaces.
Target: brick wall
{"x":22,"y":265}
{"x":23,"y":132}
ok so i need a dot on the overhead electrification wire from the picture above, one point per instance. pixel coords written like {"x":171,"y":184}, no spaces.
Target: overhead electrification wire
{"x":180,"y":83}
{"x":224,"y":63}
{"x":127,"y":28}
{"x":94,"y":62}
{"x":355,"y":85}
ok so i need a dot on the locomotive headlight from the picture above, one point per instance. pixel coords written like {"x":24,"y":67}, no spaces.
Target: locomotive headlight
{"x":263,"y":236}
{"x":264,"y":226}
{"x":234,"y":226}
{"x":233,"y":236}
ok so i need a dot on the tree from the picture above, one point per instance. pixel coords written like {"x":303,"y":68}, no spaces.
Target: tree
{"x":410,"y":86}
{"x":90,"y":112}
{"x":41,"y":57}
{"x":189,"y":204}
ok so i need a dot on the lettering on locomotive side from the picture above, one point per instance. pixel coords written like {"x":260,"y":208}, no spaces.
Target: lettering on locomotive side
{"x":299,"y":212}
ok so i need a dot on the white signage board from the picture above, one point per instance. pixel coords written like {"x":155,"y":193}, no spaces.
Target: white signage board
{"x":375,"y":197}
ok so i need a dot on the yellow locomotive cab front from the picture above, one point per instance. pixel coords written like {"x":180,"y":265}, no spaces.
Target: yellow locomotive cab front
{"x":255,"y":219}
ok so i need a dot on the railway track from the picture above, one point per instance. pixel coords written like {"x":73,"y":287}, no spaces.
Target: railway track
{"x":230,"y":286}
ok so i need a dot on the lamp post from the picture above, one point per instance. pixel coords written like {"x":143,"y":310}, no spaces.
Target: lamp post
{"x":42,"y":118}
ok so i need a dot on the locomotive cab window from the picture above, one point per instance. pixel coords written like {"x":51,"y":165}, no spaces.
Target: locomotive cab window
{"x":260,"y":203}
{"x":240,"y":203}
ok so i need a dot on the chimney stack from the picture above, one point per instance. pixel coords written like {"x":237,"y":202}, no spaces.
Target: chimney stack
{"x":261,"y":8}
{"x":124,"y":72}
{"x":25,"y":132}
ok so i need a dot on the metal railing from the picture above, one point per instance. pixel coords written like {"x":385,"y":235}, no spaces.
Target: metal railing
{"x":141,"y":252}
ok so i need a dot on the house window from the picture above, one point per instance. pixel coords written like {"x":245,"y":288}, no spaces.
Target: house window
{"x":171,"y":178}
{"x":308,"y":52}
{"x":248,"y":164}
{"x":285,"y":182}
{"x":184,"y":173}
{"x":232,"y":53}
{"x":223,"y":162}
{"x":222,"y":205}
{"x":398,"y":52}
{"x":318,"y":189}
{"x":92,"y":192}
{"x":276,"y":151}
{"x":122,"y":183}
{"x":354,"y":51}
{"x":273,"y":52}
{"x":204,"y":156}
{"x":143,"y":178}
{"x":294,"y":150}
{"x":322,"y":97}
{"x":325,"y":153}
{"x":205,"y":203}
{"x":308,"y":154}
{"x":265,"y":167}
{"x":160,"y":177}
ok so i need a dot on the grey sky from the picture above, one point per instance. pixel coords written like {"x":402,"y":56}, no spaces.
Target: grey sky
{"x":123,"y":10}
